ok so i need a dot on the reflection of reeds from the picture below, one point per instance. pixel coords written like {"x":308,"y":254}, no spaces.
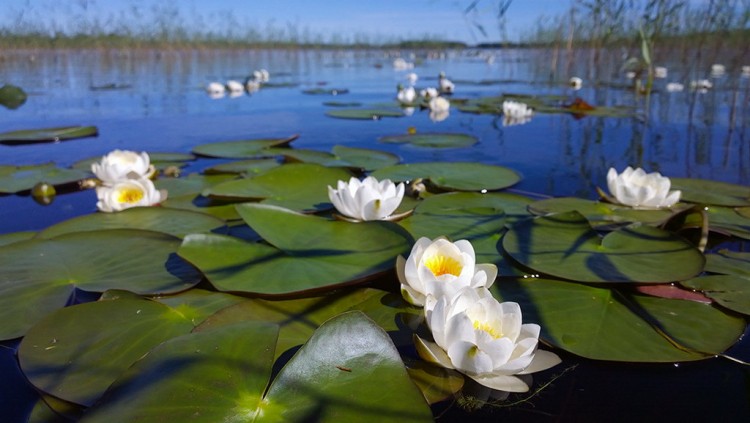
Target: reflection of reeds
{"x":165,"y":25}
{"x":600,"y":35}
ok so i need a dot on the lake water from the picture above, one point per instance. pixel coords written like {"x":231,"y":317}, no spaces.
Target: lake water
{"x":160,"y":106}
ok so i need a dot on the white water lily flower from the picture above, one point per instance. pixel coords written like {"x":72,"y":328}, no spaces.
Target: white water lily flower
{"x":429,"y":93}
{"x":718,"y":70}
{"x":639,"y":189}
{"x":575,"y":83}
{"x":406,"y":95}
{"x":660,"y":72}
{"x":441,"y":268}
{"x":235,"y":87}
{"x":516,"y":113}
{"x":701,"y":85}
{"x":445,"y":85}
{"x":261,"y":75}
{"x":484,"y":339}
{"x":401,"y":64}
{"x":215,"y":89}
{"x":368,"y":199}
{"x":411,"y":78}
{"x":123,"y":164}
{"x":745,"y":71}
{"x":439,"y":109}
{"x":128,"y":193}
{"x":674,"y":87}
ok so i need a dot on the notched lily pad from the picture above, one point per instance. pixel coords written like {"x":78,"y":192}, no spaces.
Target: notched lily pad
{"x":707,"y":192}
{"x":599,"y":213}
{"x":461,"y":176}
{"x":242,"y":149}
{"x":731,"y":291}
{"x":15,"y":179}
{"x":40,"y":275}
{"x":298,"y":186}
{"x":565,"y":245}
{"x":32,"y":136}
{"x":432,"y":140}
{"x":364,"y":114}
{"x":306,"y":253}
{"x":326,"y":91}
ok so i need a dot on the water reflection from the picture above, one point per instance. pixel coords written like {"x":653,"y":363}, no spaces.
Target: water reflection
{"x":156,"y":101}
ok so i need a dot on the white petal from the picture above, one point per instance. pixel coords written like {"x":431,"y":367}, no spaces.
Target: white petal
{"x":431,"y":352}
{"x":501,"y":382}
{"x":467,"y":357}
{"x":543,"y":360}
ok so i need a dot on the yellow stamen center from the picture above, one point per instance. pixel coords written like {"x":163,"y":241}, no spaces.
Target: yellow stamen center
{"x":484,"y":326}
{"x":129,"y":195}
{"x":441,"y":265}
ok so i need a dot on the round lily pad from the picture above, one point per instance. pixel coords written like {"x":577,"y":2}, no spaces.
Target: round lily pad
{"x":39,"y":275}
{"x":565,"y":245}
{"x":243,"y":149}
{"x":432,"y":139}
{"x":461,"y":176}
{"x":248,"y":167}
{"x":599,"y":213}
{"x":326,"y":91}
{"x":306,"y":253}
{"x":91,"y":344}
{"x":160,"y":219}
{"x":364,"y":158}
{"x":703,"y":191}
{"x":731,"y":291}
{"x":364,"y":114}
{"x":15,"y":179}
{"x":223,"y":375}
{"x":609,"y":324}
{"x":12,"y":96}
{"x":31,"y":136}
{"x":298,"y":186}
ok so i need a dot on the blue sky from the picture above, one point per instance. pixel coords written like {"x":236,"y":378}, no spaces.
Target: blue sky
{"x":400,"y":19}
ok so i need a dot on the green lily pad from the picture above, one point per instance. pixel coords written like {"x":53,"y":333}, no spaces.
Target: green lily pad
{"x":12,"y":96}
{"x":342,"y":103}
{"x":326,"y":91}
{"x":298,"y":186}
{"x":307,"y":253}
{"x":457,"y":215}
{"x":703,"y":191}
{"x":461,"y":176}
{"x":15,"y":179}
{"x":243,"y":149}
{"x":599,"y":213}
{"x":248,"y":167}
{"x":40,"y":275}
{"x":728,"y":263}
{"x":160,"y":219}
{"x":298,"y":318}
{"x":191,"y":184}
{"x":76,"y":352}
{"x":364,"y":158}
{"x":332,"y":378}
{"x":725,"y":219}
{"x":348,"y":362}
{"x":731,"y":291}
{"x":31,"y":136}
{"x":364,"y":114}
{"x":432,"y":139}
{"x":219,"y":209}
{"x":12,"y":237}
{"x":610,"y":325}
{"x":565,"y":245}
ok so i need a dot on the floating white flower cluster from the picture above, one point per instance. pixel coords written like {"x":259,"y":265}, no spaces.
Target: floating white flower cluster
{"x":125,"y":181}
{"x":439,"y":106}
{"x":472,"y":331}
{"x":641,"y":190}
{"x":516,"y":113}
{"x":368,"y":199}
{"x":236,"y":88}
